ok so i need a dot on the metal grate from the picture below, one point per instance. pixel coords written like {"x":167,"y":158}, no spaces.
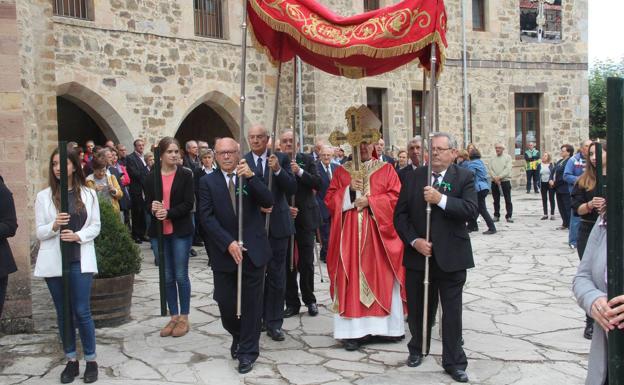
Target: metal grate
{"x":370,"y":5}
{"x":209,"y":18}
{"x":78,"y":9}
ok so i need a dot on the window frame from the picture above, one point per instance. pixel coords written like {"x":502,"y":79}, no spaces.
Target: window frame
{"x":481,"y":8}
{"x":58,"y":9}
{"x":380,"y":109}
{"x":371,"y":5}
{"x":525,"y":110}
{"x":204,"y":15}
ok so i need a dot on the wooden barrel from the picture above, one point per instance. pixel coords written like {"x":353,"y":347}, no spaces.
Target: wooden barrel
{"x":111,"y":299}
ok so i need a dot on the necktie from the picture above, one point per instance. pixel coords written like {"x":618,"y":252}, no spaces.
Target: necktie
{"x":329,"y":174}
{"x":232,"y":189}
{"x":436,"y":179}
{"x":259,"y":166}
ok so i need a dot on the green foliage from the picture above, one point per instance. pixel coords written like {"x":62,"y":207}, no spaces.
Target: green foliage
{"x":598,"y":74}
{"x":116,"y":252}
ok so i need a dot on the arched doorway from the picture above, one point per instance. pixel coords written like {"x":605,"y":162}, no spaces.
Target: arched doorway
{"x":75,"y":124}
{"x":203,"y":123}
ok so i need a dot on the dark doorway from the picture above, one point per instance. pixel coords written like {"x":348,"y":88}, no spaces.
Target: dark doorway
{"x":74,"y":124}
{"x":203,"y":123}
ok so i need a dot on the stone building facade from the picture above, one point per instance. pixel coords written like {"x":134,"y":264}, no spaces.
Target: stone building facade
{"x":137,"y":68}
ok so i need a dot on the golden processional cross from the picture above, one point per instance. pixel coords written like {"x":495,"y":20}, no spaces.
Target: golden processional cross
{"x":363,"y":128}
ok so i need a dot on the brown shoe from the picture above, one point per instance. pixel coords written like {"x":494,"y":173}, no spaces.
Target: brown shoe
{"x":168,"y":329}
{"x":181,"y":328}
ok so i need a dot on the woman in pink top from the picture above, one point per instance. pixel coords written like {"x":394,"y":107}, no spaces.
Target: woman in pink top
{"x":175,"y":213}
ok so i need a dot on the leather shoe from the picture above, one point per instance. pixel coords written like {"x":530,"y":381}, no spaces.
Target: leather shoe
{"x":70,"y":372}
{"x":489,"y":232}
{"x":290,"y":311}
{"x":276,"y":334}
{"x":414,"y":360}
{"x":192,"y":252}
{"x":458,"y":375}
{"x":312,"y":310}
{"x":245,"y":366}
{"x":91,"y":372}
{"x":234,"y":349}
{"x":351,"y":344}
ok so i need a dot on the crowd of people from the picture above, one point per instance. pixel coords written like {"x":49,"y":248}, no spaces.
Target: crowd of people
{"x":375,"y":254}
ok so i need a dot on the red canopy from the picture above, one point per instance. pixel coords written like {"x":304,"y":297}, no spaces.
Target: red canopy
{"x":362,"y":45}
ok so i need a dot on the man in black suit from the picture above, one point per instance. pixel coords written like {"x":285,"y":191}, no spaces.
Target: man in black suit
{"x":380,"y":147}
{"x":191,"y":157}
{"x":281,"y":225}
{"x":307,"y":221}
{"x":414,"y":151}
{"x":218,"y":205}
{"x":453,"y":202}
{"x":137,"y":169}
{"x":326,"y":171}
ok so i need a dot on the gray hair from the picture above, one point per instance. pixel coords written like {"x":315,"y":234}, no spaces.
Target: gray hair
{"x":415,"y":139}
{"x":499,"y":144}
{"x":188,"y":144}
{"x":452,"y":143}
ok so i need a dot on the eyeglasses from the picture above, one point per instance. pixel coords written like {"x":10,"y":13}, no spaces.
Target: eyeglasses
{"x":224,"y":153}
{"x":439,"y":149}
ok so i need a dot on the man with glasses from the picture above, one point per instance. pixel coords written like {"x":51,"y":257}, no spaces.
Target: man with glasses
{"x":281,"y":226}
{"x":453,"y":199}
{"x":218,"y":207}
{"x":500,"y":172}
{"x":326,"y":170}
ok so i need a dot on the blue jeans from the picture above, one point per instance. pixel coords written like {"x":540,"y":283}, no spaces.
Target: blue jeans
{"x":575,"y":222}
{"x":79,"y":298}
{"x":177,"y":282}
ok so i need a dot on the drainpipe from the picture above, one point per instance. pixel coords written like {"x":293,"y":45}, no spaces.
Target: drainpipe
{"x":464,"y":72}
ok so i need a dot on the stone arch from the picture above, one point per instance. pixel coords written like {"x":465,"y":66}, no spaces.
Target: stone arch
{"x":102,"y":112}
{"x":227,"y":109}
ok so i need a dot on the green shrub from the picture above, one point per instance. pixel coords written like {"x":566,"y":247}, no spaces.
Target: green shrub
{"x":116,"y":252}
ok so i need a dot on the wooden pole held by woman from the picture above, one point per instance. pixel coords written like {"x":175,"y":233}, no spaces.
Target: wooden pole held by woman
{"x":158,"y":195}
{"x":65,"y":251}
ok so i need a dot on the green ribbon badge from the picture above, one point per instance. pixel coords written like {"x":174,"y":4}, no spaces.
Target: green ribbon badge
{"x":239,"y":190}
{"x":301,"y":163}
{"x":446,"y":186}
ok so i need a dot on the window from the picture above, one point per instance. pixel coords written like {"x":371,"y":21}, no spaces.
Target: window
{"x":374,"y":101}
{"x":527,"y":121}
{"x":417,"y":113}
{"x":370,"y":5}
{"x":478,"y":15}
{"x":79,"y":9}
{"x":209,"y":18}
{"x":540,"y":20}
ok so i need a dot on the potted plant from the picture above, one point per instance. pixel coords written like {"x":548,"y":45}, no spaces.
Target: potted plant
{"x":118,"y":260}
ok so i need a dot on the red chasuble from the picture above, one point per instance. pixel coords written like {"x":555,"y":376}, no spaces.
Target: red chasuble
{"x":364,"y":256}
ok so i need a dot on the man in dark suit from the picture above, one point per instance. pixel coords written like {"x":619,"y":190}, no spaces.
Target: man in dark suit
{"x":191,"y":157}
{"x":453,"y":202}
{"x":218,"y":205}
{"x":307,"y":221}
{"x":326,"y":171}
{"x":281,"y":225}
{"x":137,"y":169}
{"x":380,"y":147}
{"x":414,"y":151}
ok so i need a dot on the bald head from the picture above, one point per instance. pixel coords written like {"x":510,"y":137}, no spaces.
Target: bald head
{"x":326,"y":154}
{"x":227,"y":153}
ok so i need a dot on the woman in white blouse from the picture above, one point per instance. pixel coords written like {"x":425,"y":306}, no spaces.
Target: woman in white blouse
{"x":83,"y":226}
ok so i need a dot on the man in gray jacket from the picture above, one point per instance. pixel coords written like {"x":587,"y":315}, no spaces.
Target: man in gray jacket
{"x":500,"y":173}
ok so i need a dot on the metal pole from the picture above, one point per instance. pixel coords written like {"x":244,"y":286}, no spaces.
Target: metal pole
{"x":300,"y":98}
{"x":241,"y":180}
{"x":432,"y":109}
{"x":294,"y":156}
{"x":67,"y":329}
{"x":158,"y":196}
{"x":423,"y":110}
{"x":615,"y":227}
{"x":599,"y":176}
{"x":464,"y":72}
{"x":273,"y":135}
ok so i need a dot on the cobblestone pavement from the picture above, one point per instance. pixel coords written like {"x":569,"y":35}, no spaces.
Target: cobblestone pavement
{"x":521,"y":326}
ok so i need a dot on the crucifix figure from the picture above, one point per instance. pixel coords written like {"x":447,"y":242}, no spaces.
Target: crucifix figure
{"x":541,"y":17}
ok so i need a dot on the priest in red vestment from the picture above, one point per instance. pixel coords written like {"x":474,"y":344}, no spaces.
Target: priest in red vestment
{"x":364,"y":257}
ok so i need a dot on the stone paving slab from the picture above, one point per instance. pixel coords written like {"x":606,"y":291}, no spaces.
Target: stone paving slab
{"x":521,"y":327}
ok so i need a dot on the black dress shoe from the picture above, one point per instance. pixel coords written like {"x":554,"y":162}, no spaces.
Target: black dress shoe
{"x":458,"y":375}
{"x":312,"y":310}
{"x":245,"y":366}
{"x":192,"y":252}
{"x":137,"y":241}
{"x":276,"y":334}
{"x":234,"y":349}
{"x":70,"y":372}
{"x":351,"y":344}
{"x":290,"y":311}
{"x":414,"y":360}
{"x":91,"y":372}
